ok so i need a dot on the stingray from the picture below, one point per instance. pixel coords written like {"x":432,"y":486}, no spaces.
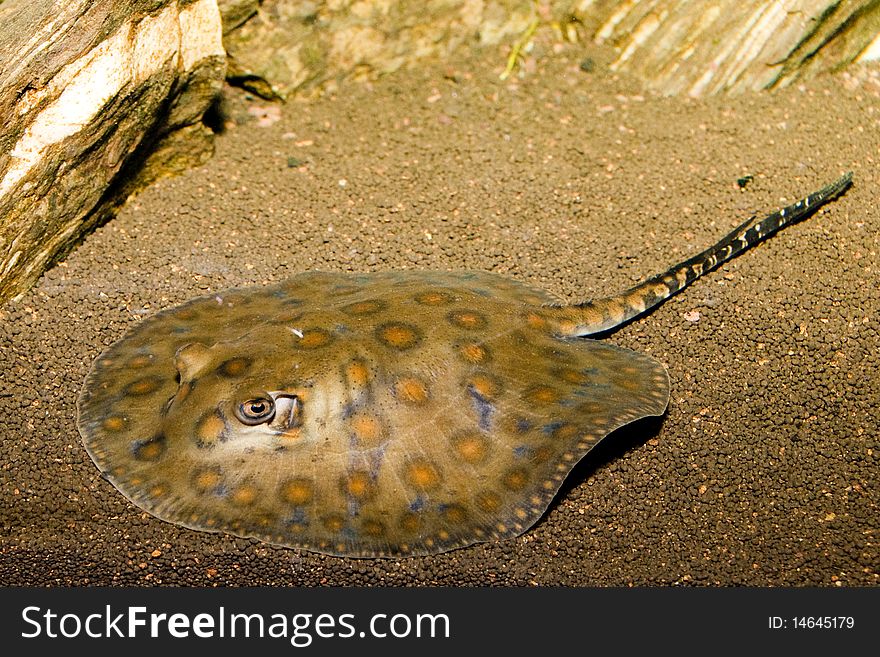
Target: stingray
{"x":377,"y":415}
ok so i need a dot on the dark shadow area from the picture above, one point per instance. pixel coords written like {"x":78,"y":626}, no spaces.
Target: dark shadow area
{"x":610,"y":448}
{"x":216,"y":115}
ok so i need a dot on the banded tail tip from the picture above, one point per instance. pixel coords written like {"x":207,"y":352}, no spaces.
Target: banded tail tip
{"x":600,"y":315}
{"x":836,"y":188}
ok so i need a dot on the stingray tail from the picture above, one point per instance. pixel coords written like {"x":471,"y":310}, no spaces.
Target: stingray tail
{"x":605,"y":314}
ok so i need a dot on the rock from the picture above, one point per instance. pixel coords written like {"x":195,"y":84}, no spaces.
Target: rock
{"x":293,"y":46}
{"x":236,"y":12}
{"x":676,"y":46}
{"x":99,"y":98}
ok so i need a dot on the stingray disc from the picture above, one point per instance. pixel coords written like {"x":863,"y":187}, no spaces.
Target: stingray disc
{"x":376,"y":415}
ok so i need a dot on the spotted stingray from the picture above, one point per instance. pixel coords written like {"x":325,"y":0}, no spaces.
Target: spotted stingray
{"x":377,"y":415}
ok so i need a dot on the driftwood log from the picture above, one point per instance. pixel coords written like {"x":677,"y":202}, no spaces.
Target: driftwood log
{"x":701,"y":48}
{"x":98,"y":98}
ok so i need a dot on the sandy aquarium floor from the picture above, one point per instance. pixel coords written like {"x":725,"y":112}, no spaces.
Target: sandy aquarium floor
{"x":762,"y":472}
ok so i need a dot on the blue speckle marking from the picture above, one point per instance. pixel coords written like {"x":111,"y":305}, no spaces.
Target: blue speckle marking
{"x":483,"y":408}
{"x":551,"y":427}
{"x":298,"y":517}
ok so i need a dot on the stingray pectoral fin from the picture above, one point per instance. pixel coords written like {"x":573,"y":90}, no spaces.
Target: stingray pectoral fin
{"x":605,"y":314}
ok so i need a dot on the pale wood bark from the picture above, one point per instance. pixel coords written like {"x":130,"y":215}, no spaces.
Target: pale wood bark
{"x":98,"y":97}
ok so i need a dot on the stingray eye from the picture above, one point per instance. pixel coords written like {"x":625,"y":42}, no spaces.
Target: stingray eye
{"x":256,"y":411}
